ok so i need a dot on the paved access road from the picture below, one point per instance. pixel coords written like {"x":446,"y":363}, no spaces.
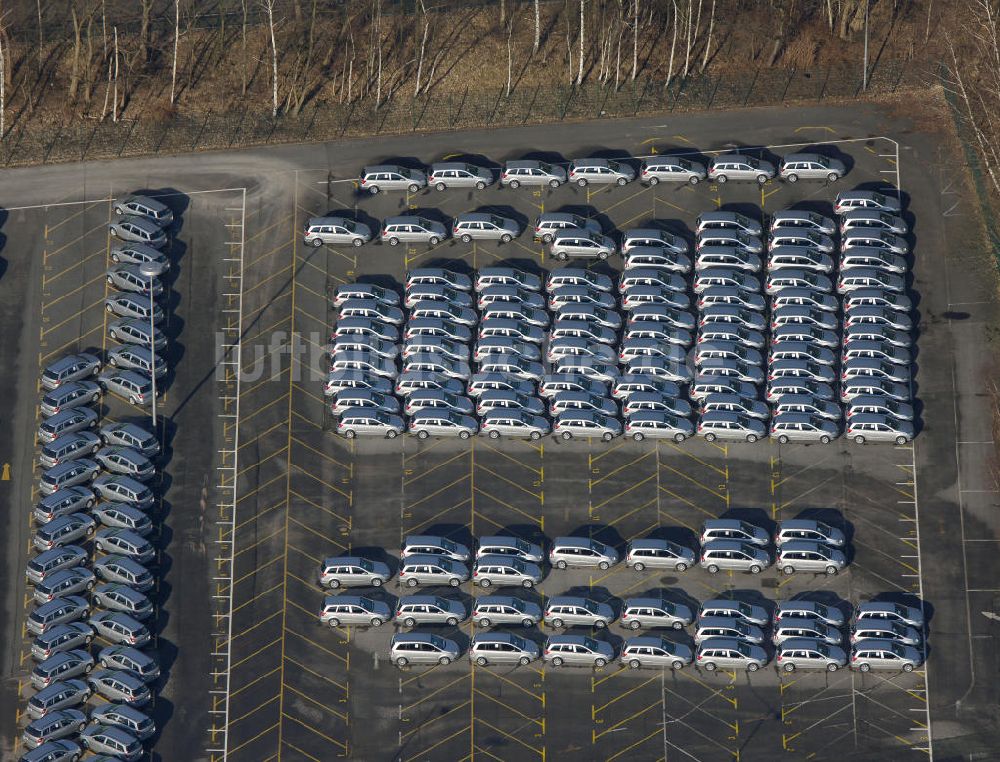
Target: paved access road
{"x":921,"y":517}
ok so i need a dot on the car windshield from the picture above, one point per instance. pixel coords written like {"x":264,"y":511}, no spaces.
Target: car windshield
{"x":743,"y":648}
{"x":546,"y":168}
{"x":449,"y":545}
{"x":365,"y":564}
{"x":498,"y":221}
{"x":822,"y":160}
{"x":898,"y":650}
{"x":614,"y":166}
{"x":590,"y":644}
{"x":878,"y":198}
{"x":752,"y":162}
{"x":437,"y":641}
{"x":591,"y":606}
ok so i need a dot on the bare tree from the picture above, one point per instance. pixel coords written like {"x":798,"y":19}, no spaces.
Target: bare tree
{"x":41,"y":37}
{"x":268,"y":6}
{"x":114,"y":102}
{"x":74,"y":77}
{"x":538,"y":28}
{"x":245,"y":67}
{"x":144,"y":42}
{"x":579,"y":73}
{"x":635,"y":38}
{"x":3,"y":79}
{"x":177,"y":36}
{"x":423,"y":48}
{"x":708,"y":43}
{"x":687,"y":42}
{"x":673,"y":47}
{"x":510,"y":52}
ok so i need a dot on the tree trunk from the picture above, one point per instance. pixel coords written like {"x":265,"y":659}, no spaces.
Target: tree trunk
{"x":114,"y":102}
{"x":510,"y":53}
{"x":41,"y":37}
{"x":635,"y":39}
{"x":538,"y":28}
{"x":673,"y":47}
{"x":3,"y":86}
{"x":144,"y":45}
{"x":708,"y":43}
{"x":177,"y":35}
{"x":74,"y":78}
{"x":88,"y":81}
{"x":579,"y":72}
{"x":269,"y":8}
{"x":687,"y":42}
{"x":423,"y":48}
{"x":243,"y":42}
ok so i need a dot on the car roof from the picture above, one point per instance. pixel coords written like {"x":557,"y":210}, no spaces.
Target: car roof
{"x":421,"y":600}
{"x":427,"y":558}
{"x":729,"y":545}
{"x":731,"y":643}
{"x":521,"y":163}
{"x":575,"y":233}
{"x":498,"y":637}
{"x":646,"y":601}
{"x":420,"y":637}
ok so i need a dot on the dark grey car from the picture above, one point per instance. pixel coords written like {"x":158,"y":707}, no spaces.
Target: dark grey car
{"x":134,"y":229}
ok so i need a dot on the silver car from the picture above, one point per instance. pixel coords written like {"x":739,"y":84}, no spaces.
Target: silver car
{"x":502,"y":648}
{"x":730,"y":257}
{"x":459,"y":174}
{"x":581,"y":551}
{"x":639,"y":296}
{"x":781,"y":387}
{"x":801,"y":350}
{"x":63,"y":610}
{"x":873,"y":368}
{"x":481,"y":383}
{"x":336,"y":231}
{"x":125,"y":570}
{"x":658,"y":554}
{"x":501,"y":422}
{"x":734,"y":239}
{"x":805,"y":609}
{"x":873,"y":219}
{"x":587,"y":425}
{"x":798,"y":238}
{"x":436,"y":328}
{"x":600,"y":171}
{"x":505,"y":328}
{"x":422,"y":648}
{"x":382,"y":177}
{"x":121,"y":516}
{"x":803,"y":427}
{"x":62,"y":502}
{"x":725,"y":276}
{"x":61,"y":723}
{"x":577,"y":651}
{"x":809,"y":556}
{"x":736,"y":316}
{"x":805,"y":297}
{"x":507,"y":400}
{"x":144,"y":206}
{"x":531,"y":172}
{"x":788,"y":278}
{"x":730,"y":426}
{"x":120,"y":629}
{"x":734,"y":166}
{"x":655,"y":424}
{"x":65,"y":530}
{"x":798,"y":218}
{"x":879,"y":405}
{"x":426,"y":423}
{"x":554,"y":383}
{"x":727,"y":627}
{"x":804,"y":627}
{"x":133,"y":306}
{"x":449,"y":348}
{"x":656,"y":652}
{"x":876,"y":317}
{"x":513,"y":367}
{"x":885,"y":630}
{"x":869,"y":277}
{"x":867,"y":655}
{"x":412,"y":229}
{"x":115,"y":742}
{"x":504,"y":571}
{"x":357,"y":380}
{"x":64,"y":694}
{"x":121,"y":686}
{"x":502,"y":609}
{"x":808,"y":529}
{"x":135,"y":229}
{"x":862,"y":199}
{"x":130,"y":278}
{"x":729,"y":654}
{"x":658,"y":257}
{"x":727,"y":332}
{"x":68,"y":474}
{"x":126,"y":543}
{"x":547,"y":223}
{"x":435,"y":545}
{"x":515,"y":296}
{"x":346,"y":399}
{"x":564,"y":401}
{"x":733,"y":555}
{"x":130,"y":385}
{"x":67,"y":422}
{"x":352,"y":571}
{"x":439,"y":276}
{"x":874,"y":238}
{"x":891,"y":612}
{"x":77,"y":579}
{"x":727,"y":220}
{"x":667,"y":169}
{"x":62,"y":637}
{"x":655,"y":612}
{"x":734,"y":403}
{"x":367,"y":362}
{"x":481,"y":226}
{"x":811,"y":166}
{"x":134,"y":331}
{"x":634,"y":238}
{"x":69,"y":395}
{"x":70,"y":368}
{"x":801,"y":369}
{"x":807,"y":258}
{"x":412,"y":610}
{"x":438,"y":400}
{"x":349,"y":291}
{"x":507,"y":276}
{"x":118,"y":597}
{"x":874,"y":427}
{"x":576,"y":611}
{"x":809,"y":653}
{"x":432,"y":570}
{"x":141,"y":359}
{"x":510,"y":547}
{"x":874,"y":258}
{"x":877,"y":350}
{"x":69,"y":447}
{"x":585,"y":244}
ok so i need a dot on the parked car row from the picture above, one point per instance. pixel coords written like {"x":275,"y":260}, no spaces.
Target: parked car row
{"x":94,"y":491}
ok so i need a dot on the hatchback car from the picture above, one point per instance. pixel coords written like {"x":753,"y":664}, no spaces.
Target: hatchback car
{"x":412,"y":229}
{"x":734,"y":166}
{"x":67,"y":422}
{"x":339,"y":380}
{"x":336,"y":231}
{"x":507,"y":400}
{"x":576,"y":611}
{"x":437,"y":400}
{"x":62,"y":637}
{"x":808,"y":529}
{"x":811,"y":166}
{"x":68,"y":474}
{"x":726,"y":653}
{"x":56,"y":725}
{"x":68,"y":447}
{"x":655,"y":424}
{"x":130,"y":385}
{"x":412,"y":610}
{"x":77,"y":579}
{"x":432,"y":570}
{"x":531,"y":172}
{"x":806,"y":609}
{"x":135,"y":331}
{"x":136,"y":358}
{"x":874,"y":238}
{"x":737,"y":316}
{"x":428,"y":422}
{"x":65,"y":694}
{"x":362,"y":421}
{"x":727,"y":627}
{"x":803,"y":627}
{"x":346,"y":399}
{"x":459,"y":174}
{"x":433,"y":327}
{"x":585,"y":244}
{"x":734,"y":403}
{"x":504,"y":571}
{"x":600,"y":172}
{"x":867,"y":655}
{"x":352,"y":571}
{"x":862,"y":199}
{"x":122,"y":516}
{"x":513,"y":296}
{"x":654,"y":612}
{"x":422,"y":648}
{"x":891,"y":612}
{"x":581,"y":552}
{"x":133,"y":306}
{"x":501,"y":422}
{"x":885,"y":630}
{"x":809,"y":653}
{"x":120,"y":629}
{"x":879,"y":405}
{"x":70,"y":368}
{"x":586,"y":425}
{"x":130,"y":659}
{"x":132,"y":279}
{"x":359,"y":610}
{"x":728,"y":426}
{"x":376,"y":178}
{"x":507,"y":276}
{"x":657,"y":257}
{"x":502,"y":609}
{"x":547,"y":223}
{"x":482,"y":226}
{"x":126,"y":570}
{"x":799,"y":218}
{"x":803,"y":427}
{"x":124,"y":716}
{"x":117,"y":597}
{"x":671,"y":169}
{"x":577,"y":651}
{"x":876,"y":316}
{"x":135,"y":229}
{"x":69,"y":395}
{"x":116,"y":742}
{"x":64,"y":530}
{"x":502,"y":648}
{"x":658,"y":554}
{"x":124,"y":489}
{"x":120,"y":685}
{"x":659,"y":402}
{"x":63,"y":610}
{"x":809,"y":556}
{"x":733,"y":555}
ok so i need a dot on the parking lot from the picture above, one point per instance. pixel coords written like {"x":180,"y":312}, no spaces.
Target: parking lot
{"x":298,"y":687}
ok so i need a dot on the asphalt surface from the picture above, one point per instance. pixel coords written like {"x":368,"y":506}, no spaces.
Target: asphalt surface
{"x":299,"y":691}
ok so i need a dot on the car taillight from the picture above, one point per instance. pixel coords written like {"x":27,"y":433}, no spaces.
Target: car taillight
{"x":645,"y":170}
{"x":363,"y":180}
{"x":402,"y":573}
{"x":699,"y":657}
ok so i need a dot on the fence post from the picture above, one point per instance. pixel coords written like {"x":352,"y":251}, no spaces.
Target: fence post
{"x":531,"y":106}
{"x":680,"y":88}
{"x":274,"y":126}
{"x":167,"y":124}
{"x":52,"y":144}
{"x":607,"y":94}
{"x":569,"y":98}
{"x":899,"y":78}
{"x":128,"y":135}
{"x":312,"y":121}
{"x":197,"y":137}
{"x":385,"y":115}
{"x":642,"y":97}
{"x":746,"y":98}
{"x":347,"y":119}
{"x":791,"y":76}
{"x":718,"y":81}
{"x":83,"y":151}
{"x":822,"y":89}
{"x":461,"y":105}
{"x":496,"y":104}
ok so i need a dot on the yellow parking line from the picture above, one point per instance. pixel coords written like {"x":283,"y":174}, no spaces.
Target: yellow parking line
{"x":656,"y":732}
{"x":435,"y":493}
{"x":259,"y":436}
{"x":269,"y":278}
{"x":622,"y":516}
{"x":251,"y":713}
{"x":672,"y":205}
{"x":511,"y":482}
{"x":83,"y":209}
{"x":425,"y":696}
{"x":78,"y":263}
{"x":425,"y":723}
{"x":313,"y":643}
{"x":74,"y":316}
{"x":246,"y":658}
{"x":618,"y":495}
{"x":434,"y":468}
{"x":422,"y":754}
{"x":254,"y":682}
{"x":263,"y":408}
{"x":504,"y":679}
{"x":592,"y":459}
{"x":260,"y":541}
{"x":74,"y":241}
{"x":314,"y":504}
{"x":594,"y":482}
{"x":723,"y":471}
{"x":68,"y":294}
{"x":433,"y":445}
{"x":321,"y":705}
{"x":317,"y":533}
{"x":506,"y":734}
{"x":530,"y":517}
{"x":304,"y":668}
{"x":512,"y":459}
{"x":310,"y":728}
{"x":282,"y":741}
{"x":607,"y":209}
{"x":622,"y":721}
{"x":708,"y":688}
{"x":298,"y":550}
{"x":334,"y":488}
{"x":260,"y":462}
{"x":251,"y":628}
{"x":259,"y":595}
{"x":60,"y":350}
{"x":690,"y":479}
{"x":313,"y":424}
{"x":349,"y":467}
{"x":259,"y":487}
{"x":436,"y":516}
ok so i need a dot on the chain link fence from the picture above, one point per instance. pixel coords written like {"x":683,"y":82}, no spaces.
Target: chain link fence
{"x":76,"y":140}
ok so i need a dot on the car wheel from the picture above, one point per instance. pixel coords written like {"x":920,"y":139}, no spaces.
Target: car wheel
{"x":357,"y":241}
{"x":481,"y":661}
{"x":832,"y":177}
{"x":464,"y":435}
{"x":604,"y":566}
{"x":485,"y":582}
{"x":114,"y":257}
{"x":452,"y":621}
{"x":514,"y":184}
{"x":638,"y":566}
{"x":480,"y":185}
{"x":831,"y":571}
{"x":90,"y":585}
{"x":412,"y":583}
{"x":567,"y":435}
{"x":634,"y":625}
{"x":109,"y":308}
{"x":422,"y":434}
{"x":832,"y":667}
{"x":788,"y":570}
{"x":557,"y":623}
{"x":527,"y":584}
{"x":755,"y":569}
{"x":402,"y":661}
{"x":713,"y":569}
{"x":654,"y":181}
{"x":621,"y":181}
{"x":554,"y":183}
{"x":901,"y":440}
{"x":394,"y":241}
{"x":721,"y":179}
{"x":638,"y":436}
{"x":391,"y":434}
{"x":524,"y":661}
{"x":113,"y":333}
{"x":907,"y":667}
{"x":546,"y":238}
{"x":694,"y":179}
{"x":678,"y":438}
{"x":792,"y":178}
{"x":560,"y":564}
{"x":413,"y":188}
{"x":581,"y":182}
{"x":557,"y":662}
{"x":859,"y":439}
{"x":865,"y":667}
{"x":376,"y":622}
{"x":331,"y":622}
{"x":824,"y":439}
{"x":350,"y":434}
{"x":761,"y":179}
{"x":333,"y":584}
{"x":494,"y":434}
{"x":466,"y":238}
{"x":678,"y":625}
{"x":753,"y":666}
{"x":113,"y":231}
{"x":374,"y":190}
{"x":534,"y":436}
{"x":485,"y":622}
{"x":376,"y":582}
{"x":105,"y":663}
{"x":607,"y":436}
{"x":440,"y":186}
{"x":526,"y":623}
{"x":752,"y":438}
{"x":783,"y":439}
{"x":710,"y":437}
{"x":409,"y":622}
{"x":111,"y":281}
{"x":710,"y":666}
{"x":600,"y":661}
{"x":789,"y":667}
{"x":454,"y":582}
{"x":316,"y":243}
{"x":506,"y":238}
